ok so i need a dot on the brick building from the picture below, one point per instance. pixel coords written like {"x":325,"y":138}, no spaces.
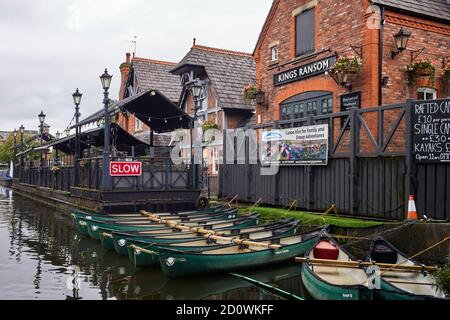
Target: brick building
{"x":308,"y":36}
{"x":226,"y":74}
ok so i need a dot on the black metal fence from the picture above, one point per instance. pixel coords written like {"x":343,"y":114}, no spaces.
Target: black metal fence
{"x":157,"y":174}
{"x":369,"y":171}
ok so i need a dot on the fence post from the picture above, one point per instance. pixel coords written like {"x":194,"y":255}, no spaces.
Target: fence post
{"x":410,"y":168}
{"x":310,"y":176}
{"x":354,"y":147}
{"x":276,"y":196}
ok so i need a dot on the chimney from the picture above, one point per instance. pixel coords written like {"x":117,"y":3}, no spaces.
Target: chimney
{"x":124,"y":72}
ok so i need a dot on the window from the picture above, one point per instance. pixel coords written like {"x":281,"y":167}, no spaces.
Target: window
{"x":308,"y":103}
{"x":304,"y":32}
{"x":426,"y":94}
{"x":274,"y":54}
{"x":137,"y":125}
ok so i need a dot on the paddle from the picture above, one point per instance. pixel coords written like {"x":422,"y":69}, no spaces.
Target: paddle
{"x":211,"y":234}
{"x":357,"y":264}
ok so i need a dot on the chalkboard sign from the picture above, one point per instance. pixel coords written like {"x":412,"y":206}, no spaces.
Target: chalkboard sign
{"x":350,"y":101}
{"x":431,"y":131}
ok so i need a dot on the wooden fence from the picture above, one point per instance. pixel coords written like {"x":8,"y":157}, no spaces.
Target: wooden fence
{"x":369,"y":172}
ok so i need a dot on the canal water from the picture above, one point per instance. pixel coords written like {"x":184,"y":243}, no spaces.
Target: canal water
{"x":43,"y":257}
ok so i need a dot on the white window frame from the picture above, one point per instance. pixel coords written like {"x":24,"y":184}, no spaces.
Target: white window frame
{"x":274,"y":54}
{"x":428,"y":90}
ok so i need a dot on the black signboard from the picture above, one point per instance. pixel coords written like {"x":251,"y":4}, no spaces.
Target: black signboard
{"x":304,"y":71}
{"x":350,"y":101}
{"x":431,"y":131}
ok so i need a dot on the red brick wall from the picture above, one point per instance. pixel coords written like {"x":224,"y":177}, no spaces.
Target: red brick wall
{"x":339,"y":26}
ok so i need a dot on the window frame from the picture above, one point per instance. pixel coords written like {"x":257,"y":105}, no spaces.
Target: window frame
{"x":272,"y":50}
{"x":296,"y":20}
{"x":425,"y":91}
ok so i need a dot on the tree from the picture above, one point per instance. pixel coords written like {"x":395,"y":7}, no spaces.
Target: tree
{"x":7,"y":148}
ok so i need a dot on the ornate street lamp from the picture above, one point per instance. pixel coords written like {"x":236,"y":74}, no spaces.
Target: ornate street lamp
{"x":77,"y":100}
{"x":197,"y":89}
{"x":41,"y":117}
{"x":57,"y":135}
{"x":106,"y":178}
{"x":401,"y":41}
{"x":67,"y":131}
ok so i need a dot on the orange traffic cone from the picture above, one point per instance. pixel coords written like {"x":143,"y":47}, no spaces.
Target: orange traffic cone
{"x":412,"y":212}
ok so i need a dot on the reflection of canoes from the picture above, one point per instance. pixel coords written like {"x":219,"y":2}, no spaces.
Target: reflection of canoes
{"x":203,"y":286}
{"x":176,"y":263}
{"x":146,"y":283}
{"x":95,"y":227}
{"x":111,"y":239}
{"x":331,"y":282}
{"x":146,"y":253}
{"x":398,"y":285}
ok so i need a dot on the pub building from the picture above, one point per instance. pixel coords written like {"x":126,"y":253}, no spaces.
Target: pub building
{"x":224,"y":73}
{"x":302,"y":40}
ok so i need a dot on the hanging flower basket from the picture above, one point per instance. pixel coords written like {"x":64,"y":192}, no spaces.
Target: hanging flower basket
{"x":250,"y":92}
{"x":209,"y":125}
{"x":421,"y":72}
{"x":345,"y":67}
{"x":54,"y":169}
{"x":260,"y":97}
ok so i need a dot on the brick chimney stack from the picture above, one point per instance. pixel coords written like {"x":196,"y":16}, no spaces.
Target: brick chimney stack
{"x":124,"y":72}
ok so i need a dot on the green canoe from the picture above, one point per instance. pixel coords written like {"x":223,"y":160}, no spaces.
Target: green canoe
{"x":398,"y":285}
{"x":121,"y":243}
{"x":176,"y":263}
{"x":95,"y":227}
{"x":145,"y":253}
{"x":174,"y":235}
{"x":76,"y":215}
{"x":334,"y":283}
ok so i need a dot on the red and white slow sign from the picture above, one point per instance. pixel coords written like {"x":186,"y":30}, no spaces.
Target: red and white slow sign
{"x":125,"y":169}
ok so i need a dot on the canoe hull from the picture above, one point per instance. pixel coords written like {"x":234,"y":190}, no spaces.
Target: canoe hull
{"x":178,"y":264}
{"x":321,"y":290}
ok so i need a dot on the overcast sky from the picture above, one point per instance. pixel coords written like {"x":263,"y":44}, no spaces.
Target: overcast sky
{"x":51,"y":47}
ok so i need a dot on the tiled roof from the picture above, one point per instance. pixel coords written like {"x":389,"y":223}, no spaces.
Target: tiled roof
{"x":156,"y":74}
{"x":229,"y":72}
{"x":432,"y":8}
{"x":159,"y":140}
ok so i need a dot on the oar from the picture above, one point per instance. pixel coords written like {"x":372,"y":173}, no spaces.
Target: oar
{"x":268,"y":287}
{"x":211,"y":234}
{"x":357,"y":264}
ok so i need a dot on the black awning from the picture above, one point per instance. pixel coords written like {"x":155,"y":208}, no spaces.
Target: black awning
{"x":121,"y":139}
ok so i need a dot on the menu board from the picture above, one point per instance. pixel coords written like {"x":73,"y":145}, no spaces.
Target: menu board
{"x":431,"y":131}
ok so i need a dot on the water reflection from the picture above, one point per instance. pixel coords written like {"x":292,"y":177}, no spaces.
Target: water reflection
{"x":42,"y":257}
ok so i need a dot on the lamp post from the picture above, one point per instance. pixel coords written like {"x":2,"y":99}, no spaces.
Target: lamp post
{"x":77,"y":100}
{"x":22,"y":131}
{"x":197,"y":88}
{"x":106,"y":178}
{"x":14,"y":145}
{"x":41,"y":117}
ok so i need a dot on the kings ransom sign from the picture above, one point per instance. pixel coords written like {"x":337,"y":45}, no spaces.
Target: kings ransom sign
{"x":305,"y":71}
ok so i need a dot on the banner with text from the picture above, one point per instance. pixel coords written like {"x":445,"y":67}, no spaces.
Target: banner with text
{"x":297,"y":146}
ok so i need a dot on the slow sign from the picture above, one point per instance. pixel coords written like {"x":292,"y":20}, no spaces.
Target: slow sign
{"x":431,"y":131}
{"x":125,"y":169}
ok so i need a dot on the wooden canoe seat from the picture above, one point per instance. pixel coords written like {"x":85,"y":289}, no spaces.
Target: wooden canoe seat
{"x":326,"y":250}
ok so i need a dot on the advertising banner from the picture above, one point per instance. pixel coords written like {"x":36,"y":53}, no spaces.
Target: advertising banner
{"x":306,"y":145}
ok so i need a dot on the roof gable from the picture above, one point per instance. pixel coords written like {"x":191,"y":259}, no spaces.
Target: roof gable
{"x":267,"y":23}
{"x":155,"y":74}
{"x":229,"y":72}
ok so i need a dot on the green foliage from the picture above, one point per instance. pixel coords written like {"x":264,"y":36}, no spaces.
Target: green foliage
{"x":443,"y":277}
{"x":420,"y":67}
{"x":309,"y":218}
{"x":250,"y":91}
{"x":351,"y":64}
{"x":6,"y":150}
